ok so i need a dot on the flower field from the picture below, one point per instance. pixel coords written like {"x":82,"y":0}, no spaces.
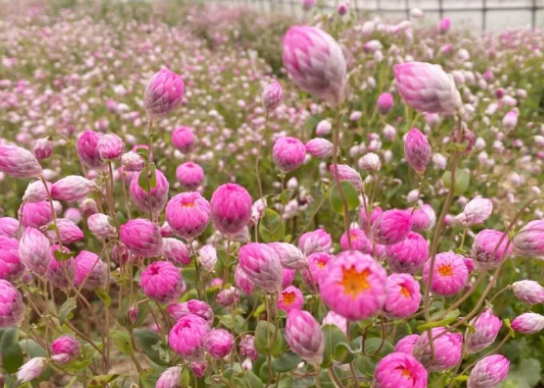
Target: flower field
{"x":196,"y":196}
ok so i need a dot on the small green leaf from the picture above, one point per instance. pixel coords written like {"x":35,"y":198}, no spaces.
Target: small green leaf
{"x":65,"y":311}
{"x":462,"y":180}
{"x":285,"y":362}
{"x":350,"y":194}
{"x":123,"y":342}
{"x":63,"y":256}
{"x":153,"y":176}
{"x":271,"y":227}
{"x":344,"y":352}
{"x":378,"y":346}
{"x":151,"y":344}
{"x":120,"y":218}
{"x":143,"y":152}
{"x":264,"y":344}
{"x":12,"y":353}
{"x":449,"y":318}
{"x":101,"y":381}
{"x":511,"y":331}
{"x":332,"y":336}
{"x":104,"y":296}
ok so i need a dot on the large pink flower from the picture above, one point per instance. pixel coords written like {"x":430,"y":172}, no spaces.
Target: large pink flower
{"x":188,"y":214}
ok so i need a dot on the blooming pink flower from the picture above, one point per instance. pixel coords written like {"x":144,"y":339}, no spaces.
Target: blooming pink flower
{"x":315,"y":62}
{"x":18,"y":162}
{"x":153,"y":201}
{"x":175,"y":251}
{"x":528,"y":291}
{"x":34,"y":251}
{"x":91,"y":272}
{"x":528,"y":323}
{"x":9,"y":227}
{"x":304,"y":336}
{"x":450,"y":274}
{"x":316,"y":241}
{"x":317,"y":264}
{"x":290,"y":256}
{"x":57,"y":270}
{"x":359,"y":241}
{"x":11,"y":268}
{"x":347,"y":174}
{"x":247,"y":347}
{"x":319,"y":148}
{"x":100,"y":226}
{"x":32,"y":369}
{"x":489,"y":372}
{"x":403,"y":296}
{"x":187,"y":337}
{"x":385,"y":103}
{"x":354,"y":285}
{"x":476,"y":212}
{"x":363,"y":219}
{"x":64,"y":349}
{"x":530,"y":240}
{"x":87,"y":149}
{"x":218,"y":343}
{"x":110,"y":147}
{"x":183,"y":139}
{"x":142,"y":237}
{"x":170,"y":378}
{"x":424,"y":218}
{"x":36,"y":214}
{"x":290,"y":298}
{"x":272,"y":95}
{"x":427,"y":88}
{"x":444,"y":24}
{"x":262,"y":266}
{"x":188,"y":214}
{"x":486,"y":327}
{"x":417,"y":150}
{"x":288,"y":153}
{"x":231,"y":207}
{"x":43,"y":149}
{"x":162,"y":282}
{"x":391,"y":227}
{"x":242,"y":280}
{"x":68,"y":230}
{"x":399,"y":370}
{"x":72,"y":188}
{"x":163,"y":94}
{"x":193,"y":306}
{"x":409,"y":255}
{"x":447,"y":349}
{"x":490,"y":247}
{"x":12,"y":308}
{"x":407,"y":344}
{"x":190,"y":175}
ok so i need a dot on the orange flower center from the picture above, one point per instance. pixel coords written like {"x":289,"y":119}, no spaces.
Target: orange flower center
{"x":188,"y":204}
{"x":289,"y":298}
{"x":445,"y":270}
{"x":321,"y":264}
{"x":353,"y":236}
{"x":406,"y":373}
{"x":354,"y":282}
{"x":404,"y":291}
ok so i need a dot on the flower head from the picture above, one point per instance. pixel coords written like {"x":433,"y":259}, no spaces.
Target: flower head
{"x":163,"y":94}
{"x":304,"y":336}
{"x":399,"y":370}
{"x":450,"y":274}
{"x":162,"y":282}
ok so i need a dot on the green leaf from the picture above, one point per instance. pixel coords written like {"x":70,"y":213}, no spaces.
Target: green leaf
{"x":104,"y":296}
{"x":511,"y":331}
{"x":526,"y":375}
{"x":123,"y":342}
{"x":65,"y":311}
{"x":151,"y":344}
{"x":264,"y":344}
{"x":12,"y":353}
{"x":344,"y":352}
{"x":120,"y":218}
{"x":101,"y":381}
{"x":271,"y":227}
{"x":153,"y":176}
{"x":332,"y":336}
{"x":449,"y":318}
{"x":372,"y":345}
{"x":63,"y":256}
{"x":143,"y":152}
{"x":32,"y":348}
{"x":285,"y":362}
{"x":350,"y":194}
{"x":252,"y":380}
{"x":462,"y":180}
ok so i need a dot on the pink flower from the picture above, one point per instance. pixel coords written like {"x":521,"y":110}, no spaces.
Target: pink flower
{"x":417,"y":150}
{"x":424,"y":218}
{"x":510,"y":120}
{"x":228,"y":296}
{"x":190,"y":175}
{"x":153,"y":201}
{"x":199,"y":369}
{"x":336,"y":319}
{"x":490,"y":247}
{"x":170,"y":378}
{"x":262,"y":266}
{"x":218,"y":343}
{"x":64,"y":349}
{"x":359,"y":241}
{"x":231,"y":207}
{"x":489,"y":372}
{"x":290,"y":256}
{"x":304,"y":336}
{"x":142,"y":237}
{"x":100,"y":226}
{"x":68,"y":230}
{"x":317,"y":264}
{"x":187,"y":337}
{"x":530,"y":240}
{"x":323,"y":128}
{"x":407,"y":344}
{"x":447,"y":349}
{"x":347,"y":174}
{"x":132,"y":162}
{"x":9,"y":227}
{"x":272,"y":95}
{"x":72,"y":188}
{"x":287,"y":277}
{"x":11,"y":268}
{"x":188,"y":214}
{"x":450,"y":274}
{"x":163,"y":94}
{"x":288,"y":154}
{"x":528,"y":291}
{"x":162,"y":282}
{"x":427,"y":88}
{"x":444,"y":24}
{"x":247,"y":347}
{"x":43,"y":148}
{"x":399,"y":370}
{"x":385,"y":103}
{"x":34,"y":251}
{"x":110,"y":147}
{"x":316,"y":241}
{"x":409,"y":255}
{"x":354,"y":285}
{"x":12,"y":308}
{"x":175,"y":251}
{"x":242,"y":280}
{"x":91,"y":272}
{"x":57,"y":270}
{"x":403,"y":296}
{"x":18,"y":162}
{"x":486,"y":327}
{"x":391,"y":227}
{"x":363,"y":219}
{"x":476,"y":212}
{"x":290,"y":298}
{"x":314,"y":61}
{"x":32,"y":369}
{"x":319,"y":148}
{"x":36,"y":214}
{"x":193,"y":306}
{"x":35,"y":192}
{"x":87,"y":149}
{"x":528,"y":323}
{"x":183,"y":139}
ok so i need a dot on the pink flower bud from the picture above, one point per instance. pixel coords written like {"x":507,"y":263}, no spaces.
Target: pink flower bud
{"x":175,"y":251}
{"x":32,"y":369}
{"x":489,"y":372}
{"x":91,"y":272}
{"x":11,"y":268}
{"x":242,"y":280}
{"x":64,"y":349}
{"x":12,"y":308}
{"x":193,"y":306}
{"x":403,"y":296}
{"x":157,"y":197}
{"x":336,"y":319}
{"x":34,"y":251}
{"x":218,"y":343}
{"x":162,"y":282}
{"x":487,"y":251}
{"x":427,"y":88}
{"x":391,"y":227}
{"x":315,"y":62}
{"x":56,"y":272}
{"x":510,"y":120}
{"x":43,"y":148}
{"x":228,"y":296}
{"x":183,"y":139}
{"x":187,"y":337}
{"x":142,"y":237}
{"x":72,"y":188}
{"x":447,"y":349}
{"x":170,"y":378}
{"x":18,"y":162}
{"x":231,"y":207}
{"x":188,"y":214}
{"x":417,"y":150}
{"x":68,"y":230}
{"x":370,"y":162}
{"x":450,"y":274}
{"x":262,"y":266}
{"x":290,"y":298}
{"x":407,"y":344}
{"x":398,"y":370}
{"x":342,"y":9}
{"x":131,"y":161}
{"x":316,"y":241}
{"x":290,"y":256}
{"x":247,"y":347}
{"x":288,"y":154}
{"x":190,"y":175}
{"x":409,"y":255}
{"x":272,"y":95}
{"x":528,"y":323}
{"x":36,"y":214}
{"x":163,"y":94}
{"x":319,"y":148}
{"x":207,"y":256}
{"x":476,"y":212}
{"x":9,"y":227}
{"x":35,"y":192}
{"x":348,"y":174}
{"x":486,"y":327}
{"x":87,"y":149}
{"x":359,"y":241}
{"x":199,"y":369}
{"x":100,"y":226}
{"x":424,"y":218}
{"x":385,"y":103}
{"x":354,"y":285}
{"x":444,"y":25}
{"x":110,"y":147}
{"x":530,"y":240}
{"x":528,"y":291}
{"x":323,"y":128}
{"x":304,"y":336}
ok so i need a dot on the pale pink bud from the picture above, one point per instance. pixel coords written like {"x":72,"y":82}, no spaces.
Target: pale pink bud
{"x":348,"y":174}
{"x":272,"y":95}
{"x":87,"y":149}
{"x":12,"y":308}
{"x":489,"y":372}
{"x":385,"y":103}
{"x":207,"y":256}
{"x":131,"y":161}
{"x":35,"y":192}
{"x":100,"y":226}
{"x":9,"y":227}
{"x":163,"y":94}
{"x":319,"y":148}
{"x":153,"y":199}
{"x":476,"y":212}
{"x":336,"y":319}
{"x":218,"y":343}
{"x":72,"y":188}
{"x":175,"y":251}
{"x":18,"y":162}
{"x":262,"y":266}
{"x":304,"y":336}
{"x":43,"y":148}
{"x":183,"y":139}
{"x":323,"y":128}
{"x":370,"y":162}
{"x":34,"y":251}
{"x":242,"y":280}
{"x":290,"y":256}
{"x":528,"y":323}
{"x":417,"y":150}
{"x":32,"y":369}
{"x":528,"y":291}
{"x":490,"y":247}
{"x":64,"y":349}
{"x":510,"y":120}
{"x":444,"y":25}
{"x":170,"y":378}
{"x":530,"y":240}
{"x":91,"y":272}
{"x":485,"y":328}
{"x":316,"y":241}
{"x":447,"y":349}
{"x":68,"y":230}
{"x":288,"y":154}
{"x":110,"y":147}
{"x":228,"y":296}
{"x":142,"y":237}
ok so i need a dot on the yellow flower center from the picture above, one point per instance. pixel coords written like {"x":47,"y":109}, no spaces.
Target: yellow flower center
{"x":445,"y":270}
{"x":188,"y":204}
{"x":354,"y":282}
{"x":321,"y":264}
{"x":404,"y":291}
{"x":406,"y":373}
{"x":289,"y":298}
